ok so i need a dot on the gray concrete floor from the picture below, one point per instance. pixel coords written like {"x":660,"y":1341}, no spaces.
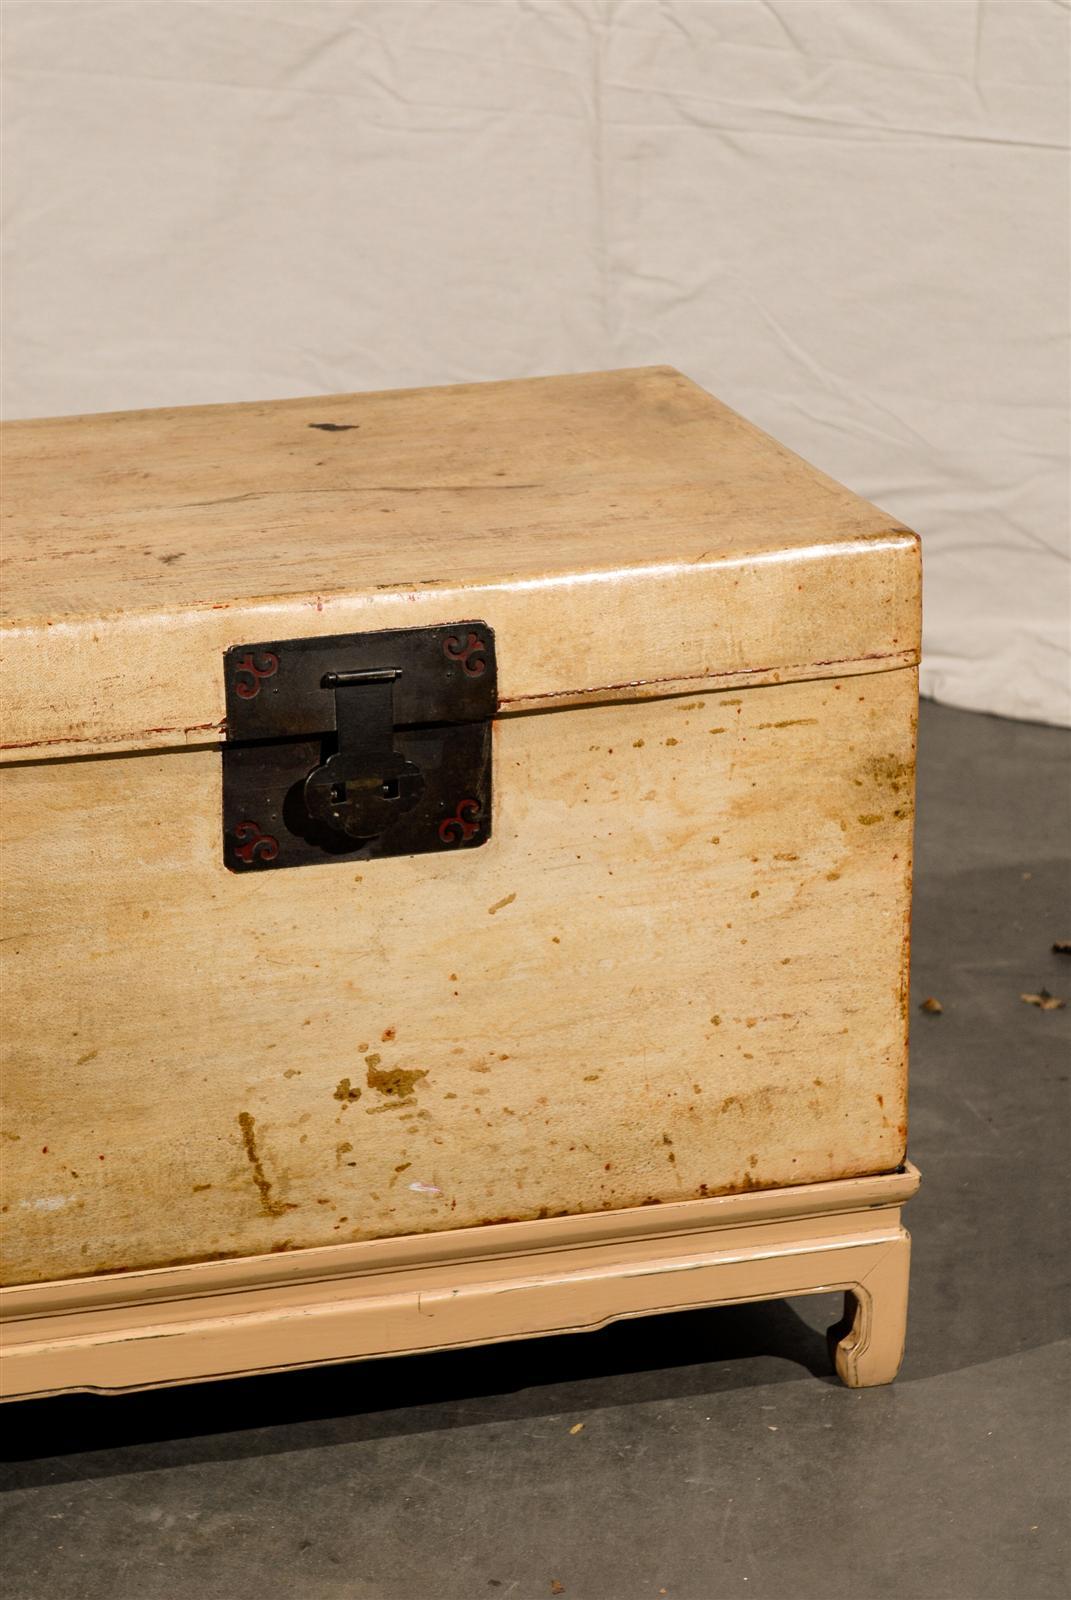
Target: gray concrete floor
{"x":718,"y":1459}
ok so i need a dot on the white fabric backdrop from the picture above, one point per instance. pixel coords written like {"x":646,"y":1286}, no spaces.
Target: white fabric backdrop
{"x":848,"y":219}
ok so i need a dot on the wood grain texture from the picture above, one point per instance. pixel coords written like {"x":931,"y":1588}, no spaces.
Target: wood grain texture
{"x":212,"y":1320}
{"x":678,"y":968}
{"x":619,"y":531}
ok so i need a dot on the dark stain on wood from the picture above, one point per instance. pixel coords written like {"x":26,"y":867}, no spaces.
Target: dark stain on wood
{"x":395,"y":1082}
{"x":269,"y":1206}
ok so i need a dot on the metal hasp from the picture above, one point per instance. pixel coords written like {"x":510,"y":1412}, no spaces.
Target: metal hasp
{"x":357,"y":746}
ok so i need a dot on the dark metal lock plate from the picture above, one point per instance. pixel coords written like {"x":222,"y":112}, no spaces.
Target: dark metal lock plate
{"x":358,"y":746}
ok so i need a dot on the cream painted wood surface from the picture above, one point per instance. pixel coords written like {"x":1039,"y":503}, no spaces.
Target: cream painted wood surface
{"x":677,"y":969}
{"x":617,"y":530}
{"x":627,"y":1056}
{"x":505,"y":1281}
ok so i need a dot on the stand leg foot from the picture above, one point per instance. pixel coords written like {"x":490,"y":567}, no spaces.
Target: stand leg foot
{"x":868,"y":1345}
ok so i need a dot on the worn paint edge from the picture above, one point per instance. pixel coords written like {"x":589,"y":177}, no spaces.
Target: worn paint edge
{"x":677,"y":1218}
{"x":209,"y":735}
{"x":752,"y":677}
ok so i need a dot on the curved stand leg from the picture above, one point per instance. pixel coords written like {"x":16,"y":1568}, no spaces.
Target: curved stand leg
{"x":868,"y":1345}
{"x":380,"y":1297}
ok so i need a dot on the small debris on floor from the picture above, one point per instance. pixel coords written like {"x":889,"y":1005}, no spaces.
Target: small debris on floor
{"x":578,"y":1427}
{"x":932,"y":1005}
{"x":556,"y":1586}
{"x":1061,"y":947}
{"x":1045,"y":1000}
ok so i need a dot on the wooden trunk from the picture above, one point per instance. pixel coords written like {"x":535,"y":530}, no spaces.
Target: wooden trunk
{"x":676,"y":969}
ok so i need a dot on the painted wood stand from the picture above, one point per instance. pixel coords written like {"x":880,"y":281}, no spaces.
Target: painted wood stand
{"x":505,"y":1281}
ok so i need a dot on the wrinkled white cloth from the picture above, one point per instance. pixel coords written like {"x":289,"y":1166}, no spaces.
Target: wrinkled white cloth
{"x":848,"y":219}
